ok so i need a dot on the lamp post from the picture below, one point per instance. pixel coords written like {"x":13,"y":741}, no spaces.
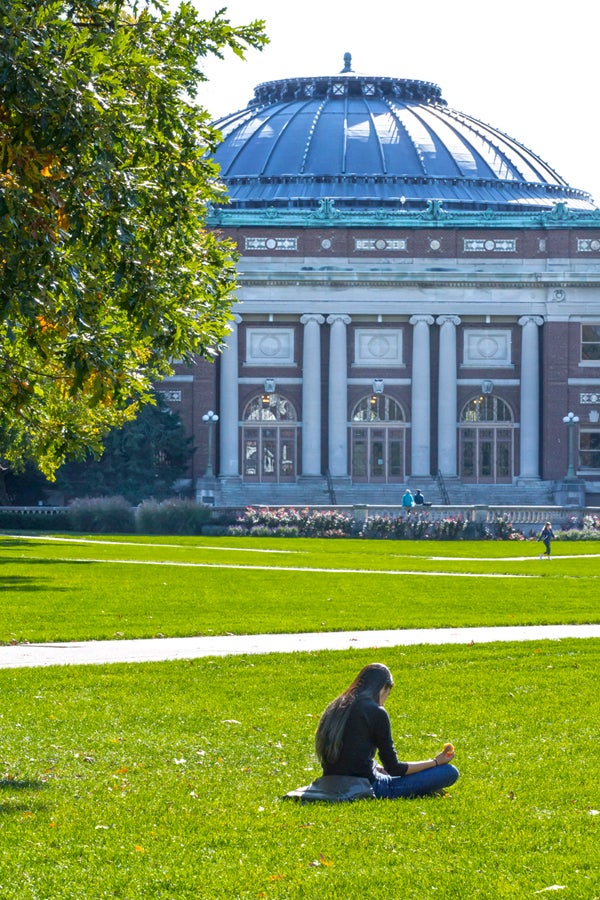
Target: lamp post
{"x":571,"y":421}
{"x":210,"y":418}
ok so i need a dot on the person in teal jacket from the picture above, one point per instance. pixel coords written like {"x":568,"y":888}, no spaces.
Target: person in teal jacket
{"x":407,"y":499}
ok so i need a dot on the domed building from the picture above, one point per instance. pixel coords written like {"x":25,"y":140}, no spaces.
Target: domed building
{"x":418,"y":304}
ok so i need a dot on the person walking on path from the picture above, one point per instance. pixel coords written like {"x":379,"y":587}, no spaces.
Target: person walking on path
{"x":546,"y":536}
{"x":355,"y":725}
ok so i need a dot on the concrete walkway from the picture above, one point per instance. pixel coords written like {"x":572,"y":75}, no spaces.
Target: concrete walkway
{"x":159,"y":649}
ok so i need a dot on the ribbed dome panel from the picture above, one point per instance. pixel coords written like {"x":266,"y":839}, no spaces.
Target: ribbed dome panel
{"x":366,"y":142}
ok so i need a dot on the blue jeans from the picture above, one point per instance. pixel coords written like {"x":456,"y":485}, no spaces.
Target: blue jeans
{"x":391,"y":787}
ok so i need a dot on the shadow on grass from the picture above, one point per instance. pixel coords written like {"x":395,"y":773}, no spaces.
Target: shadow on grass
{"x":25,"y":583}
{"x":12,"y":543}
{"x":28,"y":582}
{"x":22,"y":784}
{"x":39,"y":561}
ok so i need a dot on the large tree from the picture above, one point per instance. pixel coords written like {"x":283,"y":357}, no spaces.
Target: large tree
{"x":143,"y":459}
{"x":106,"y":271}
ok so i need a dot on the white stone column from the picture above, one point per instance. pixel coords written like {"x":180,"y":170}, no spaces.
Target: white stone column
{"x":447,"y":396}
{"x":338,"y":396}
{"x":421,"y":397}
{"x":311,"y":395}
{"x":229,"y":409}
{"x":530,"y":396}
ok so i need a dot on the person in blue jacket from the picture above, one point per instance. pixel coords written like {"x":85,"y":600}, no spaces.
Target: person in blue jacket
{"x":546,"y":536}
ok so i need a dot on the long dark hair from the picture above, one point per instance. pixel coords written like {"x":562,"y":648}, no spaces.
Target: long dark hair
{"x":330,"y":731}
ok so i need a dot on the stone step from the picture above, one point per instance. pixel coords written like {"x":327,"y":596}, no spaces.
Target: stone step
{"x":315,"y":492}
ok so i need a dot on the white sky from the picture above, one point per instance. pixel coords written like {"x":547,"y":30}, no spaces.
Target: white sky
{"x":528,"y":67}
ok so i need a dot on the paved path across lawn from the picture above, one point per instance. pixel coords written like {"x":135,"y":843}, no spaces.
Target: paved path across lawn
{"x":158,"y":649}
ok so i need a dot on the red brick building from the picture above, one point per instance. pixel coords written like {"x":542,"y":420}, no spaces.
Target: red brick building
{"x":419,"y":304}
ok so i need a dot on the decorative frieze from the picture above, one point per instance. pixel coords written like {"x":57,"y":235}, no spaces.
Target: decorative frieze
{"x":490,"y":245}
{"x":588,"y":245}
{"x":487,"y":347}
{"x":171,"y":396}
{"x":271,"y":243}
{"x":270,"y":345}
{"x":380,"y":244}
{"x":378,"y":347}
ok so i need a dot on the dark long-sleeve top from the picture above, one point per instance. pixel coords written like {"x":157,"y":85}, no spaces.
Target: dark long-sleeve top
{"x":368,"y":730}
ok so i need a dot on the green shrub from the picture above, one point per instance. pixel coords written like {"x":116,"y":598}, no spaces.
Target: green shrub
{"x":284,"y":522}
{"x":171,"y":517}
{"x":33,"y":520}
{"x":102,"y":515}
{"x":413,"y":526}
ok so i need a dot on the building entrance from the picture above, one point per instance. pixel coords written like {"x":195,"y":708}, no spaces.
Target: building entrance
{"x":486,"y":441}
{"x":378,"y":440}
{"x":269,"y":440}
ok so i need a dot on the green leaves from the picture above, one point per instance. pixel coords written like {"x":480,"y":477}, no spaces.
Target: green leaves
{"x":106,"y":271}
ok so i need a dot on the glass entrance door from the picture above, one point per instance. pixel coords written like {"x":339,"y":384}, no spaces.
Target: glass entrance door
{"x":377,"y":454}
{"x":486,"y":455}
{"x":269,"y":454}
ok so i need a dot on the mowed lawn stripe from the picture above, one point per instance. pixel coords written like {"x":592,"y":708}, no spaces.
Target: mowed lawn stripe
{"x":280,"y":568}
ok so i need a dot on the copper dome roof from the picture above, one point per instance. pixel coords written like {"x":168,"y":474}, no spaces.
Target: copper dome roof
{"x":377,"y":142}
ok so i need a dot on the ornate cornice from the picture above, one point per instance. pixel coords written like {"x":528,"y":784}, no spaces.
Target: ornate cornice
{"x":426,"y":283}
{"x":433,"y":216}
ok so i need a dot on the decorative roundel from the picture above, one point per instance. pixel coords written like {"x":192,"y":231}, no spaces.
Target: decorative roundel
{"x":434,"y":244}
{"x":595,"y":245}
{"x":489,"y":245}
{"x":271,"y":244}
{"x":270,"y":345}
{"x":325,"y":244}
{"x":487,"y":347}
{"x":379,"y":346}
{"x":380,"y":244}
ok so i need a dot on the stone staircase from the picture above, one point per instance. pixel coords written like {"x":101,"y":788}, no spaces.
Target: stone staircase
{"x":531,"y":494}
{"x":232,"y":492}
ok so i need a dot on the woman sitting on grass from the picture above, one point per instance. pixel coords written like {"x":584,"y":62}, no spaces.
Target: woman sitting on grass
{"x":355,"y":725}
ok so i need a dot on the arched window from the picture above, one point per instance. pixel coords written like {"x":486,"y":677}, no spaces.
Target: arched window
{"x":270,"y":408}
{"x":378,"y":439}
{"x":486,"y":408}
{"x":378,"y":408}
{"x":486,"y":440}
{"x":269,"y":439}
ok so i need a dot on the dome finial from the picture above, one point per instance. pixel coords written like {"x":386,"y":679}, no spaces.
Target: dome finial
{"x":347,"y":63}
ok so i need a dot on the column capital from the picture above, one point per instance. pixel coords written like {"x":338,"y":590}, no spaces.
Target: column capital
{"x":416,"y":320}
{"x":237,"y":318}
{"x":312,"y":317}
{"x":448,"y":320}
{"x":535,"y":320}
{"x":338,"y":317}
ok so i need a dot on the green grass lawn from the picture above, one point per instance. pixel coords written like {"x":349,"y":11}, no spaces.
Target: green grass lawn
{"x":99,"y":588}
{"x":164,"y":780}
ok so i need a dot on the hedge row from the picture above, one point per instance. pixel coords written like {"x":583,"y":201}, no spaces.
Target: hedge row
{"x":114,"y":515}
{"x":285,"y":522}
